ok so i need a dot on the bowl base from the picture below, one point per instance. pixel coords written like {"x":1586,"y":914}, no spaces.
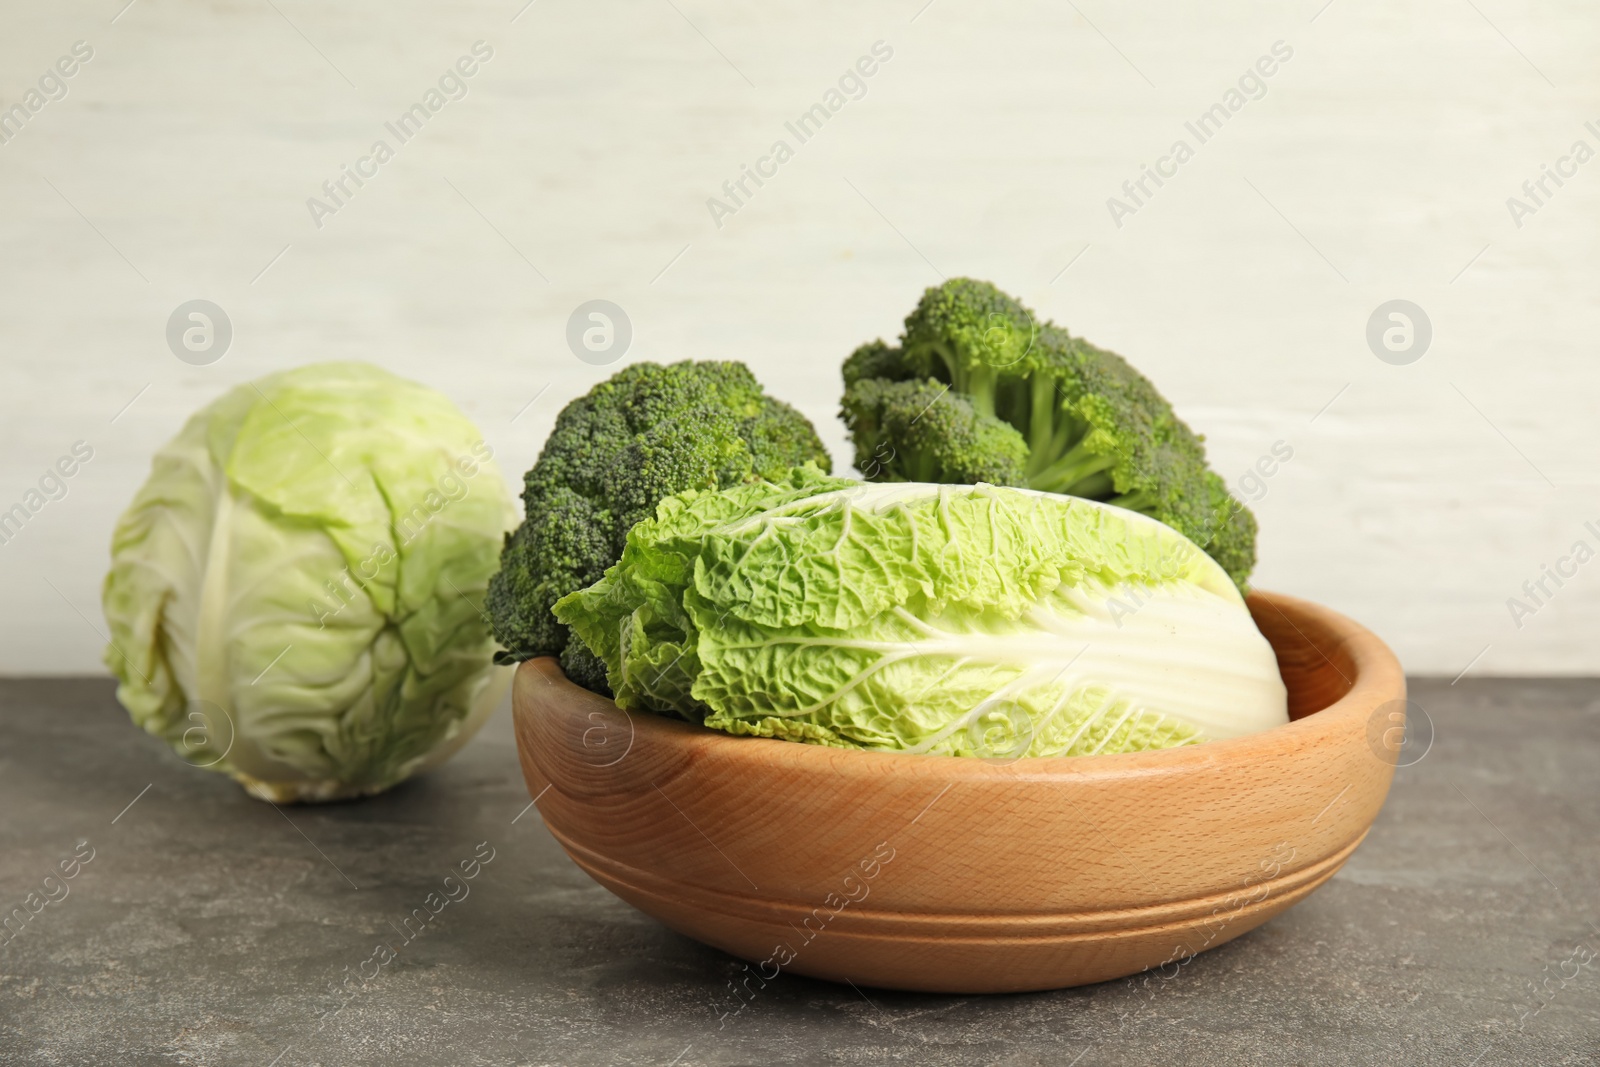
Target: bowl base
{"x":933,"y":953}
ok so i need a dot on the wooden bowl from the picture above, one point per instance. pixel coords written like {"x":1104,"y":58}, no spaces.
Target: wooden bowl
{"x":963,"y":875}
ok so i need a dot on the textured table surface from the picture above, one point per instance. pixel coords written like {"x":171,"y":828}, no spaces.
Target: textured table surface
{"x":209,"y":928}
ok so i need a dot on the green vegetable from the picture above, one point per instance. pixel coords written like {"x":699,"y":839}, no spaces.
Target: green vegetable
{"x":293,"y":593}
{"x":646,"y":433}
{"x":979,"y":390}
{"x":965,"y":620}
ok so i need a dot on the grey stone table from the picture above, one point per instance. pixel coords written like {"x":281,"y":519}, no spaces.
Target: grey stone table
{"x":210,"y":928}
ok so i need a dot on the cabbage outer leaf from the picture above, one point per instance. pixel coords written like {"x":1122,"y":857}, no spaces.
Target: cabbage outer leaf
{"x":244,"y":627}
{"x":964,"y":620}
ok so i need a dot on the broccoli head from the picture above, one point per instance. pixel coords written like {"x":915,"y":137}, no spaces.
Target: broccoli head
{"x":922,"y":431}
{"x":979,"y":390}
{"x":648,"y":432}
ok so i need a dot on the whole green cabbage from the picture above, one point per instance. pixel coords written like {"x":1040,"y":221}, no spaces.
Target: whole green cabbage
{"x":294,"y":593}
{"x":964,"y":620}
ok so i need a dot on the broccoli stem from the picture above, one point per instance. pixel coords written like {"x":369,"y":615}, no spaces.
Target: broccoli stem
{"x":979,"y":389}
{"x":1136,"y":501}
{"x":977,"y":383}
{"x":1052,"y":429}
{"x":1041,"y":419}
{"x":1097,"y":486}
{"x":1066,"y":435}
{"x":1074,"y":467}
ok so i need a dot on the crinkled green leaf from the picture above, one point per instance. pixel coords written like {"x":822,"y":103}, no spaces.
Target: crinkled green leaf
{"x":294,"y":593}
{"x":954,"y":619}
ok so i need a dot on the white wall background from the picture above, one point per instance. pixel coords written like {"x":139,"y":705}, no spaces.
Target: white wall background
{"x":1377,"y":166}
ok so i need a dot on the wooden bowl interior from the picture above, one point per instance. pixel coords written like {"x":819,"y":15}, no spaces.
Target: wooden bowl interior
{"x":1314,"y":658}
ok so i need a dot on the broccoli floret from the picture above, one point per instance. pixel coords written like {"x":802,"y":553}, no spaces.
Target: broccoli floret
{"x":648,"y":432}
{"x":1003,"y":398}
{"x":777,"y":433}
{"x":877,"y":360}
{"x":943,"y":438}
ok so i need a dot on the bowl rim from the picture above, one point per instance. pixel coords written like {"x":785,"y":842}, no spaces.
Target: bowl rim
{"x":1377,"y":678}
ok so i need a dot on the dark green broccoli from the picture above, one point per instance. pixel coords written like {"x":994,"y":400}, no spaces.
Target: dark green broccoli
{"x":980,"y":390}
{"x":922,"y":431}
{"x":646,"y":433}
